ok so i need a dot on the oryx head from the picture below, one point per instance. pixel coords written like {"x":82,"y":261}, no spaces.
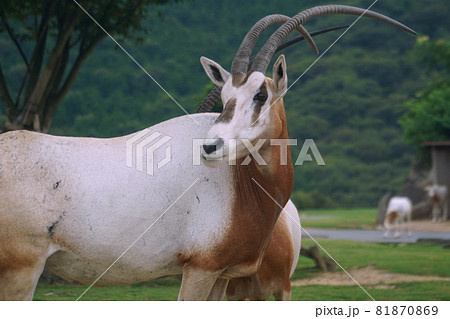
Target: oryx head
{"x":431,"y":190}
{"x":253,"y":107}
{"x":253,"y":110}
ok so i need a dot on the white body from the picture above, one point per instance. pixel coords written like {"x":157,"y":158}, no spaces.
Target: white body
{"x":438,"y":196}
{"x":398,"y":213}
{"x":76,"y":201}
{"x":278,"y":265}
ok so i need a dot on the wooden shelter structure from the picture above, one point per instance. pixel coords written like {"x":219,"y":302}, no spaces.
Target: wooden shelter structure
{"x":440,"y":156}
{"x":440,"y":163}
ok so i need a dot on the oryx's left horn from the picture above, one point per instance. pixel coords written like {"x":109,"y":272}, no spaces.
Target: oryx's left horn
{"x":264,"y":56}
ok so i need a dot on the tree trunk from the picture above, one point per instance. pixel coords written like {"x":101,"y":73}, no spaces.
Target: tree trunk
{"x":323,"y":262}
{"x":30,"y":116}
{"x":382,"y":207}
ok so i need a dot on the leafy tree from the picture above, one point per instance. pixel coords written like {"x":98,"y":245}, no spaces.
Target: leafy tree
{"x":54,"y":38}
{"x":428,"y":115}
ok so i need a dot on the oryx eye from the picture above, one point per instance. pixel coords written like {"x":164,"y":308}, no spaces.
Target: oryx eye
{"x":260,"y":97}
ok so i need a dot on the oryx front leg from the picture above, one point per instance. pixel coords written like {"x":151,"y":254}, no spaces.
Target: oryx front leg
{"x":197,"y":284}
{"x":19,"y":283}
{"x":398,"y":228}
{"x":435,"y":214}
{"x":408,"y":221}
{"x":218,"y":291}
{"x":387,"y":228}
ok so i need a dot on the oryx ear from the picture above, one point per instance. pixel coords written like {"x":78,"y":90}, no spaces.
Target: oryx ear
{"x":214,"y":71}
{"x":280,"y":76}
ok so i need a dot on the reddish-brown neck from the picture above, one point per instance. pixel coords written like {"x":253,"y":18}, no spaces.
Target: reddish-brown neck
{"x":262,"y":191}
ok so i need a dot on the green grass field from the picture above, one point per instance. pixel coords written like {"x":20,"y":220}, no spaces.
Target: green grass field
{"x":351,"y":218}
{"x":413,"y":259}
{"x":431,"y":290}
{"x":416,"y":259}
{"x":408,"y":291}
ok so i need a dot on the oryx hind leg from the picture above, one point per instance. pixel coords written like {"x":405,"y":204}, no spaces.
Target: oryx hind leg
{"x":445,"y":210}
{"x":283,"y":295}
{"x":284,"y":291}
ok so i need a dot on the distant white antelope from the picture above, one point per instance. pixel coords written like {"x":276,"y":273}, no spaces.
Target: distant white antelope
{"x":278,"y":264}
{"x":438,"y":195}
{"x":75,"y":206}
{"x":398,"y":213}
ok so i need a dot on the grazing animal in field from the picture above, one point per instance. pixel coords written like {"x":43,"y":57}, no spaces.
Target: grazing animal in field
{"x":398,"y":213}
{"x":438,"y":195}
{"x":278,"y":264}
{"x":81,"y":208}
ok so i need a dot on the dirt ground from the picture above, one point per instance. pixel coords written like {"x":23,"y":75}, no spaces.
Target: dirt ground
{"x":364,"y":276}
{"x":427,"y":225}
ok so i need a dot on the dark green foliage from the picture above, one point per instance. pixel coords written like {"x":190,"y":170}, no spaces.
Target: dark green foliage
{"x":314,"y":199}
{"x":428,"y":115}
{"x":48,"y":41}
{"x":349,"y":102}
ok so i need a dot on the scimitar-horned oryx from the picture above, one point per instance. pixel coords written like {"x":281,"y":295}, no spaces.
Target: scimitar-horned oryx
{"x":398,"y":216}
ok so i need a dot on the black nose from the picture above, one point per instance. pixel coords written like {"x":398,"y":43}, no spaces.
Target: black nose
{"x":210,"y":148}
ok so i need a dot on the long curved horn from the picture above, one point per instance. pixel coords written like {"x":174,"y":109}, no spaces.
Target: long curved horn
{"x":242,"y":57}
{"x":264,"y":56}
{"x":214,"y":95}
{"x":298,"y":38}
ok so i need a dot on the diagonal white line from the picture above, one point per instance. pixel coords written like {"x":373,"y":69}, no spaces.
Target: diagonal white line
{"x":316,"y":60}
{"x":134,"y":60}
{"x":314,"y":240}
{"x":140,"y":236}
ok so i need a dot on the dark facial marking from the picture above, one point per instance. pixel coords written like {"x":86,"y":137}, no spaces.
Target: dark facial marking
{"x":261,"y":96}
{"x":228,"y":112}
{"x":216,"y":74}
{"x":259,"y":100}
